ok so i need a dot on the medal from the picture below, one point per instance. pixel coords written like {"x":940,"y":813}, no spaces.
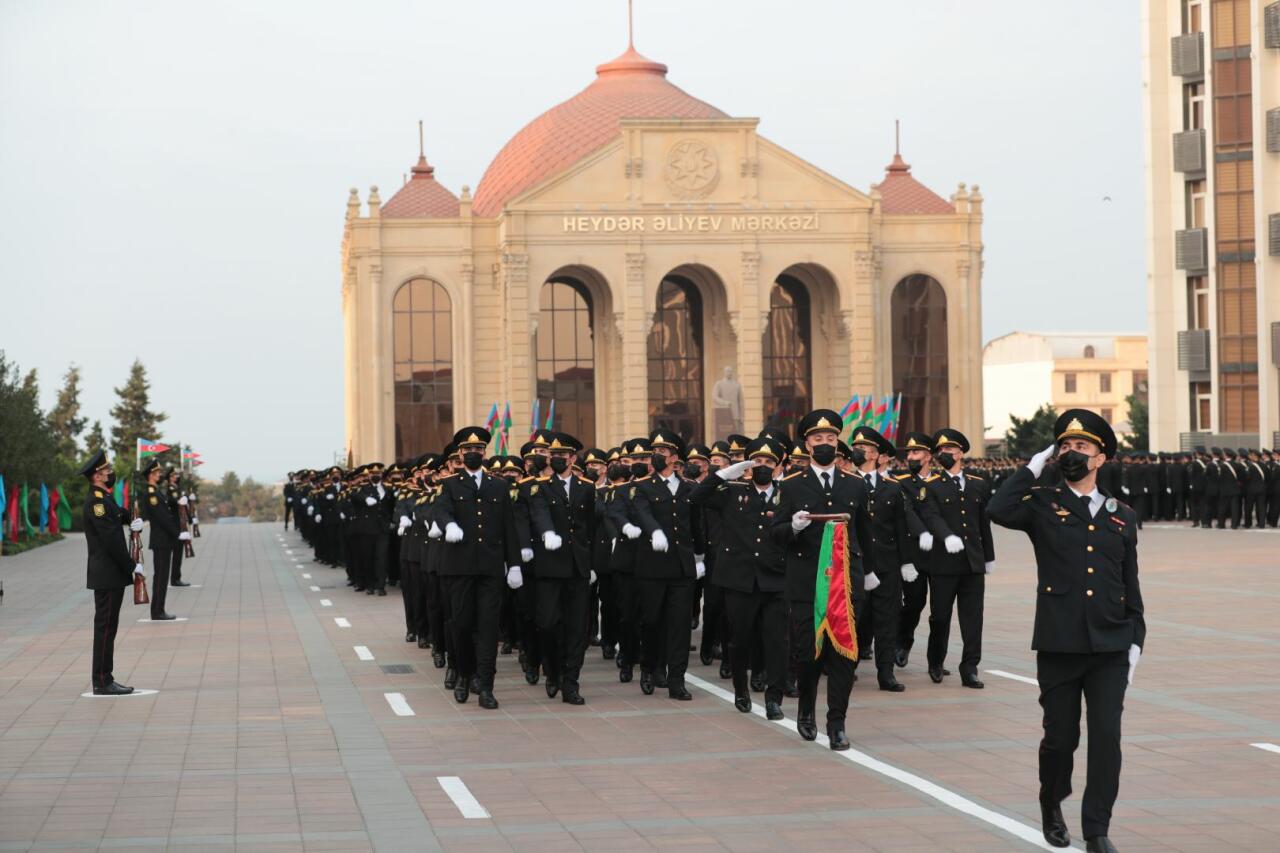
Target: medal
{"x":1111,"y":505}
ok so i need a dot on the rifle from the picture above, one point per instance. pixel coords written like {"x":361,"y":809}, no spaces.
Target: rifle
{"x":136,"y":554}
{"x":193,"y":499}
{"x":184,"y":526}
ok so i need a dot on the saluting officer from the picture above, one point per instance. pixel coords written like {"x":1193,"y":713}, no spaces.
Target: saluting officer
{"x":164,"y":540}
{"x":110,"y":568}
{"x":1089,"y":626}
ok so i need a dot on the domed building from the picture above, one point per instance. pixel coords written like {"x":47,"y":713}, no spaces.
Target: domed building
{"x":644,"y":259}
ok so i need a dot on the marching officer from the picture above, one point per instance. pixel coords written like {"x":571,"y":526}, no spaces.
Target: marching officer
{"x":165,"y":538}
{"x":915,"y":592}
{"x":110,"y":568}
{"x":1089,"y":625}
{"x":956,"y":515}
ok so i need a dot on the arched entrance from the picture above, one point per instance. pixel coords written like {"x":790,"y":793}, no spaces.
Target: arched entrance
{"x":565,"y":355}
{"x":918,"y":307}
{"x":675,"y":359}
{"x":422,"y":341}
{"x":787,"y":354}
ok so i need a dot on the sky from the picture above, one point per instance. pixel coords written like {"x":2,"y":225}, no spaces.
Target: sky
{"x":175,"y":174}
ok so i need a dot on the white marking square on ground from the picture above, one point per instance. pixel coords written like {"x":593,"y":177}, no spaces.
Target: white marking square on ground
{"x":314,"y":588}
{"x":462,"y":797}
{"x":341,"y":622}
{"x":306,"y":576}
{"x":363,"y":652}
{"x":398,"y":704}
{"x":324,"y":602}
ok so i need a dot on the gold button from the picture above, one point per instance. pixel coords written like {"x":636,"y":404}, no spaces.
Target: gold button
{"x":1088,"y":547}
{"x":1091,"y":527}
{"x":964,"y":512}
{"x":1088,"y":592}
{"x":1048,"y":589}
{"x":1091,"y":570}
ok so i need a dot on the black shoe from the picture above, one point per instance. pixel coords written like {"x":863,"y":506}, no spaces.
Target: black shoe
{"x":807,"y":726}
{"x":900,"y":659}
{"x":523,"y":658}
{"x":757,"y":682}
{"x":461,"y":693}
{"x":451,"y":679}
{"x":660,"y":678}
{"x":531,"y":676}
{"x":726,"y":671}
{"x":475,"y":684}
{"x":381,"y":591}
{"x":571,"y":696}
{"x":371,"y":591}
{"x":437,"y":658}
{"x":679,"y":692}
{"x":163,"y":617}
{"x":864,"y":654}
{"x":646,"y":682}
{"x":791,"y":690}
{"x":112,"y":689}
{"x":594,"y":641}
{"x":179,"y":583}
{"x":1100,"y":844}
{"x":705,"y":655}
{"x":935,"y":674}
{"x":971,"y":681}
{"x":742,"y":702}
{"x":625,"y":674}
{"x":424,"y":643}
{"x":411,"y":637}
{"x":1053,"y":825}
{"x":553,"y":687}
{"x":486,"y":700}
{"x":892,"y":684}
{"x":835,"y":734}
{"x":506,"y":649}
{"x":358,"y":589}
{"x":609,"y":652}
{"x":772,"y":710}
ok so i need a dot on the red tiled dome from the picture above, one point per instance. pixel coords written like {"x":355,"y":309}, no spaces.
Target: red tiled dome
{"x":901,"y":193}
{"x":630,"y":86}
{"x":423,"y":197}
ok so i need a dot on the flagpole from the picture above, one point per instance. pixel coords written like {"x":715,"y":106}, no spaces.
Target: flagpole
{"x":137,"y":454}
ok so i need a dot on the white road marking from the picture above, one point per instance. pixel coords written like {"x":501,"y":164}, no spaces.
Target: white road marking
{"x":951,"y":799}
{"x":324,"y":602}
{"x":1014,"y":676}
{"x":288,"y":551}
{"x":363,"y":652}
{"x":314,"y":588}
{"x":462,"y":797}
{"x":306,"y":576}
{"x":341,"y":622}
{"x":398,"y":704}
{"x":1269,"y":747}
{"x":137,"y":691}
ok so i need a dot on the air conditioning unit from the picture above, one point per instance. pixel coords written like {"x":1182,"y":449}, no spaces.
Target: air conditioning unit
{"x":1273,"y":130}
{"x":1193,"y":350}
{"x":1187,"y":55}
{"x":1188,"y":151}
{"x":1273,"y":234}
{"x":1271,"y":25}
{"x":1189,"y":441}
{"x":1191,"y":249}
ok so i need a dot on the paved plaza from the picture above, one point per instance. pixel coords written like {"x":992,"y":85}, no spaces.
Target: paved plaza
{"x":291,"y":715}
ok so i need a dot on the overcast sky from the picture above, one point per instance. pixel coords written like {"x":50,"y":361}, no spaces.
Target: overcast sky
{"x":174,"y":174}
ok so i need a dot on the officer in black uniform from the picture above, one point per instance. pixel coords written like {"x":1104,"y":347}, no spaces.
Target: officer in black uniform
{"x":1273,"y":489}
{"x":1089,"y":626}
{"x":1254,"y":499}
{"x":110,"y":569}
{"x":750,"y":567}
{"x":165,"y":538}
{"x":1229,"y":490}
{"x":963,"y":553}
{"x":1197,"y":470}
{"x":915,"y":593}
{"x":632,"y":464}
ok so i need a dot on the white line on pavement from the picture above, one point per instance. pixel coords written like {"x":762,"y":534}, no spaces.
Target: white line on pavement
{"x":930,"y":789}
{"x":363,"y":652}
{"x":324,"y":602}
{"x":398,"y":704}
{"x":287,"y":551}
{"x":314,"y":588}
{"x":1014,"y":676}
{"x":462,"y":797}
{"x":1269,"y":747}
{"x":341,"y":622}
{"x":306,"y":577}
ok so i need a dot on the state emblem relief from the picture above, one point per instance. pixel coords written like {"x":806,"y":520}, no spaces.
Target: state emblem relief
{"x":692,"y":169}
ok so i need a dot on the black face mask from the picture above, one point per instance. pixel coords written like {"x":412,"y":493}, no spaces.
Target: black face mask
{"x":473,"y":459}
{"x":859,"y":456}
{"x":511,"y":478}
{"x":593,"y":471}
{"x":111,"y":480}
{"x":946,"y":460}
{"x":377,"y":480}
{"x":559,"y":464}
{"x":618,"y":471}
{"x":335,"y":482}
{"x":761,"y":475}
{"x":823,"y":454}
{"x":538,"y":464}
{"x":693,"y":472}
{"x":659,"y":463}
{"x":639,"y":469}
{"x":1074,"y":466}
{"x":915,"y":466}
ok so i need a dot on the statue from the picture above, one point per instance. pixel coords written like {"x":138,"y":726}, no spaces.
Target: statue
{"x":726,"y":405}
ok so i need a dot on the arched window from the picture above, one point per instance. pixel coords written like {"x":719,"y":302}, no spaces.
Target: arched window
{"x":675,"y":360}
{"x":788,"y":380}
{"x":919,"y":309}
{"x":1089,"y":351}
{"x":566,"y":357}
{"x":422,"y":339}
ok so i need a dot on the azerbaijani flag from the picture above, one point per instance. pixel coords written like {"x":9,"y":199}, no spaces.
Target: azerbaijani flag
{"x":849,"y":407}
{"x":44,"y":508}
{"x":25,"y":512}
{"x":55,"y":498}
{"x":551,"y":415}
{"x":506,"y":428}
{"x":833,"y":596}
{"x":64,"y":509}
{"x":190,"y":454}
{"x":533,"y":421}
{"x":118,"y":493}
{"x":147,"y":447}
{"x":4,"y":504}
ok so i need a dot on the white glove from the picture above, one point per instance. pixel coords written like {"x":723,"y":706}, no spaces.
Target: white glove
{"x":304,"y":501}
{"x":989,"y":567}
{"x":452,"y":532}
{"x":329,"y":496}
{"x":370,"y":501}
{"x":800,"y":521}
{"x":515,"y":580}
{"x":658,"y":541}
{"x":700,"y":569}
{"x":195,"y":521}
{"x":182,"y":501}
{"x":593,"y":576}
{"x":526,"y":554}
{"x":1124,"y":489}
{"x":1168,"y":490}
{"x":405,"y":521}
{"x":139,"y":569}
{"x":1036,"y":465}
{"x":1134,"y":654}
{"x":613,"y":544}
{"x":631,"y":531}
{"x":551,"y":541}
{"x":926,"y":541}
{"x":909,"y":573}
{"x":954,"y":544}
{"x":736,"y":470}
{"x":184,"y":536}
{"x":871,"y":581}
{"x":342,"y":516}
{"x":290,"y":500}
{"x":433,"y":532}
{"x":135,"y":525}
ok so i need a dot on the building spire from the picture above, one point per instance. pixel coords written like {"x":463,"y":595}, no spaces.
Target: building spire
{"x":421,"y":152}
{"x":422,"y":167}
{"x":897,"y":138}
{"x":631,"y":42}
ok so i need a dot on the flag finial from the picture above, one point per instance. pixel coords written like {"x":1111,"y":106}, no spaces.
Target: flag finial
{"x":897,"y":137}
{"x":421,"y":150}
{"x":631,"y":42}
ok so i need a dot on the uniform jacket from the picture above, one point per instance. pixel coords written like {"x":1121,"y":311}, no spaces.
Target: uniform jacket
{"x":571,"y":516}
{"x":964,"y":514}
{"x":654,"y":507}
{"x":617,"y":509}
{"x":606,"y":534}
{"x":803,"y":491}
{"x":485,"y":514}
{"x":164,"y":524}
{"x":110,"y":566}
{"x":370,"y":520}
{"x":747,"y":556}
{"x":895,"y":527}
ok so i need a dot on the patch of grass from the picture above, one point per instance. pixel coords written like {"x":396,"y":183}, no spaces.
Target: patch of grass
{"x":24,"y":544}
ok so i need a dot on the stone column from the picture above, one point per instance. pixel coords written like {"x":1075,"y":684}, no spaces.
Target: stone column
{"x":748,"y":328}
{"x":862,"y":331}
{"x":381,"y":391}
{"x":637,"y":319}
{"x":465,"y":396}
{"x":519,"y":337}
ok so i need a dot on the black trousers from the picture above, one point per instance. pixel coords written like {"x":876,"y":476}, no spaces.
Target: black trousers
{"x":608,"y":598}
{"x":877,"y":617}
{"x":1229,"y":507}
{"x":1208,"y":510}
{"x":914,"y":596}
{"x":755,"y":617}
{"x":474,"y":601}
{"x":1255,"y":506}
{"x":434,"y":619}
{"x":106,"y":620}
{"x":409,"y":592}
{"x":627,"y":597}
{"x":1273,"y":509}
{"x":944,"y":593}
{"x":561,"y":614}
{"x":1101,"y":679}
{"x":715,"y":624}
{"x":837,"y":667}
{"x":161,"y":564}
{"x":665,"y":605}
{"x":288,"y":508}
{"x":526,"y":618}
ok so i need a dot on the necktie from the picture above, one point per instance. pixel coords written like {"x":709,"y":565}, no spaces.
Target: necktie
{"x":960,"y":482}
{"x":826,"y":481}
{"x":566,"y":489}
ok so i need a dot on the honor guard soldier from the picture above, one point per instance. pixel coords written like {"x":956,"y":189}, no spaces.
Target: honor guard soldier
{"x":602,"y":550}
{"x":165,"y":538}
{"x":963,"y":553}
{"x":750,"y":567}
{"x":632,"y":465}
{"x":915,"y":593}
{"x":1255,"y":489}
{"x":110,"y":569}
{"x":482,"y":553}
{"x":1089,"y":624}
{"x":288,"y":502}
{"x":821,"y":489}
{"x":371,"y":504}
{"x":535,"y":456}
{"x":563,"y":514}
{"x":1197,"y":472}
{"x":179,"y":503}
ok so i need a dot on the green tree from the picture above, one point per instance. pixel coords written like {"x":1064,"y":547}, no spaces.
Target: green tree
{"x":1028,"y":436}
{"x":133,"y":416}
{"x":65,"y":421}
{"x":27,"y":449}
{"x":1139,"y":437}
{"x":232,"y":497}
{"x":95,"y":440}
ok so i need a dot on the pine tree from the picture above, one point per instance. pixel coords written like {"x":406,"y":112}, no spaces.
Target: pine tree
{"x":133,"y":416}
{"x":1026,"y":437}
{"x":26,"y":448}
{"x":65,"y":421}
{"x":95,"y":440}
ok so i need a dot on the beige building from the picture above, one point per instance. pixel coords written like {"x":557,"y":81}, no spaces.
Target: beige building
{"x":1023,"y":371}
{"x":644,"y":259}
{"x":1211,"y":71}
